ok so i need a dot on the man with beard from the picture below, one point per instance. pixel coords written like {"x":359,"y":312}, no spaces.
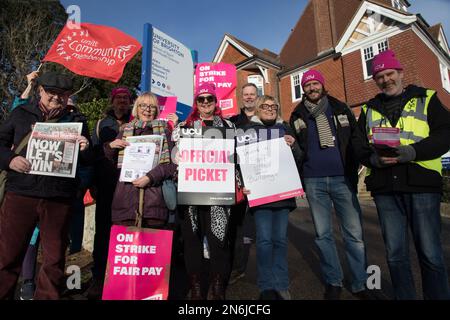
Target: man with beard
{"x":407,"y":183}
{"x":327,"y":132}
{"x":242,"y":225}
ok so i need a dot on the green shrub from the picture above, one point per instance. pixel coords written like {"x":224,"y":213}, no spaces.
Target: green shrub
{"x":94,"y":110}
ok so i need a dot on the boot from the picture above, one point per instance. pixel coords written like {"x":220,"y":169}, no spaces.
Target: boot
{"x":216,"y":288}
{"x":195,"y":292}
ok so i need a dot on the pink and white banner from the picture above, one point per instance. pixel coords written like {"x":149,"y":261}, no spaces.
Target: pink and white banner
{"x":268,"y":169}
{"x":138,"y":264}
{"x":224,"y":76}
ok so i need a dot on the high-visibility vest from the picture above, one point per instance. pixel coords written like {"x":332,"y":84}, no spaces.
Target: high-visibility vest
{"x":413,"y":126}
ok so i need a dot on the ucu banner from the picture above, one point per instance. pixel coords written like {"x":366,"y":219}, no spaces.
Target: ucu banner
{"x":191,"y":132}
{"x":247,"y":138}
{"x":257,"y":135}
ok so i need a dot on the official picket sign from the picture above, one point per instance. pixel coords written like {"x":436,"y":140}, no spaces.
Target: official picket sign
{"x":268,"y":163}
{"x":206,"y":170}
{"x":224,"y":76}
{"x":138,"y":264}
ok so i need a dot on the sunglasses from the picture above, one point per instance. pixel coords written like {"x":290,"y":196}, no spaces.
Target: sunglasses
{"x":207,"y":99}
{"x":269,"y":107}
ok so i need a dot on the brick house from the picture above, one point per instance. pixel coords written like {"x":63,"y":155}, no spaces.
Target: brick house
{"x":340,"y":38}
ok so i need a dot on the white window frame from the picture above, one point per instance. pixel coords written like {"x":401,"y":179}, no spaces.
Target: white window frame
{"x":293,"y":85}
{"x":258,"y":81}
{"x":376,"y":50}
{"x":445,"y":78}
{"x":399,"y":5}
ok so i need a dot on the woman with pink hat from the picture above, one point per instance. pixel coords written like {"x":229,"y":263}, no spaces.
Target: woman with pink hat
{"x":208,"y":221}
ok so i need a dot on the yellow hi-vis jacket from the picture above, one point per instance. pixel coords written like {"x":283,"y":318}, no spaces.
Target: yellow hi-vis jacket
{"x":413,"y":126}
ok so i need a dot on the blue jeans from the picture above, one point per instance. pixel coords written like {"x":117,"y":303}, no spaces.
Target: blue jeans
{"x":322,"y":192}
{"x":271,"y":248}
{"x":420,"y":212}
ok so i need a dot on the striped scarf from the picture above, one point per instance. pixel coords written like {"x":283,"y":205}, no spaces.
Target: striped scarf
{"x":158,"y":128}
{"x":322,"y":123}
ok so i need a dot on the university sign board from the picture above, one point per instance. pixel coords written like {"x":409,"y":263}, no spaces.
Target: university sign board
{"x":168,"y":69}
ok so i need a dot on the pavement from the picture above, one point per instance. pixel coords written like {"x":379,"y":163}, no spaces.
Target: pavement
{"x":303,"y":258}
{"x":303,"y":261}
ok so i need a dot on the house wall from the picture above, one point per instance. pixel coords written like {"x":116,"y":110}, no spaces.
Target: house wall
{"x":421,"y":67}
{"x":334,"y":83}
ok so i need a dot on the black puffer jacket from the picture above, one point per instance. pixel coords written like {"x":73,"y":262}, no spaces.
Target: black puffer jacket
{"x":12,"y":131}
{"x":411,"y":177}
{"x":352,"y":145}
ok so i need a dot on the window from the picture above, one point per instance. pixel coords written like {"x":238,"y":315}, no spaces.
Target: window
{"x":400,"y":5}
{"x":445,"y":78}
{"x":257,"y":80}
{"x":368,"y":53}
{"x":296,"y":86}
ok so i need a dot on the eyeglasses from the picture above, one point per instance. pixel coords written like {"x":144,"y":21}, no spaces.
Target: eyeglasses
{"x":207,"y":99}
{"x":269,"y":107}
{"x":147,"y":106}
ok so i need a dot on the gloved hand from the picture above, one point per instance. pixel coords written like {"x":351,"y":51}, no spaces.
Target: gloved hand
{"x":406,"y":154}
{"x":376,"y":161}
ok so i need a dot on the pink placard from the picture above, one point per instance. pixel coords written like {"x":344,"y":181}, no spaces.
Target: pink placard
{"x":138,"y":264}
{"x":223,"y":75}
{"x":167,"y":105}
{"x":386,"y":136}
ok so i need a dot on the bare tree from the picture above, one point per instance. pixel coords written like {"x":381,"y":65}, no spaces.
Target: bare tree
{"x":27,"y":30}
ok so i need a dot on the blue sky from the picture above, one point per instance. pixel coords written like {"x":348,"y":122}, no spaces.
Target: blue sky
{"x":201,"y":24}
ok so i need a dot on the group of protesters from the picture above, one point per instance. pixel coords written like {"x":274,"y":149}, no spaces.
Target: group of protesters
{"x":328,"y":145}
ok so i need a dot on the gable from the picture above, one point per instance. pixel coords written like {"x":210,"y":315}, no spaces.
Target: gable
{"x":232,"y":55}
{"x":228,"y":43}
{"x":371,"y":21}
{"x":371,"y":24}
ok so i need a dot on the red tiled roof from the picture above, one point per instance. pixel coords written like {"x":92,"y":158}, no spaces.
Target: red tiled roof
{"x":264,"y":54}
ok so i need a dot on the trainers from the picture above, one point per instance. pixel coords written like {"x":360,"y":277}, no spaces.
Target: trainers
{"x":269,"y":295}
{"x":27,"y":290}
{"x":236,"y":276}
{"x":284,"y":294}
{"x":332,"y":292}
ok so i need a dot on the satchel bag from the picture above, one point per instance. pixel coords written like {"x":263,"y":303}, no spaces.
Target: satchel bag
{"x":169,"y":191}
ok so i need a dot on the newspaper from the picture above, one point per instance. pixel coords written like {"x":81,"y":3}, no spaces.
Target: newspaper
{"x":53,"y":150}
{"x":141,"y":156}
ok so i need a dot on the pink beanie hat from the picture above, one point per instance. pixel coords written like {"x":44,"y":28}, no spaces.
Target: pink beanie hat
{"x":206,"y":87}
{"x":119,"y":90}
{"x":312,"y":75}
{"x":385,"y":60}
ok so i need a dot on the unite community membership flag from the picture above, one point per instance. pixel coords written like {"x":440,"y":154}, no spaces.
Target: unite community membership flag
{"x":94,"y":51}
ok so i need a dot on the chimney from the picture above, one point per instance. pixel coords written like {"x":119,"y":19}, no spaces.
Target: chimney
{"x":322,"y":23}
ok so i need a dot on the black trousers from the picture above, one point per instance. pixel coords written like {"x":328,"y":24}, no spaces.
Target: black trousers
{"x":193,"y":245}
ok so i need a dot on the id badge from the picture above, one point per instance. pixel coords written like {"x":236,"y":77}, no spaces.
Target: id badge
{"x":386,"y":136}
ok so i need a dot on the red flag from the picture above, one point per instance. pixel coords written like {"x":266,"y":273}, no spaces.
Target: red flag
{"x":93,"y":51}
